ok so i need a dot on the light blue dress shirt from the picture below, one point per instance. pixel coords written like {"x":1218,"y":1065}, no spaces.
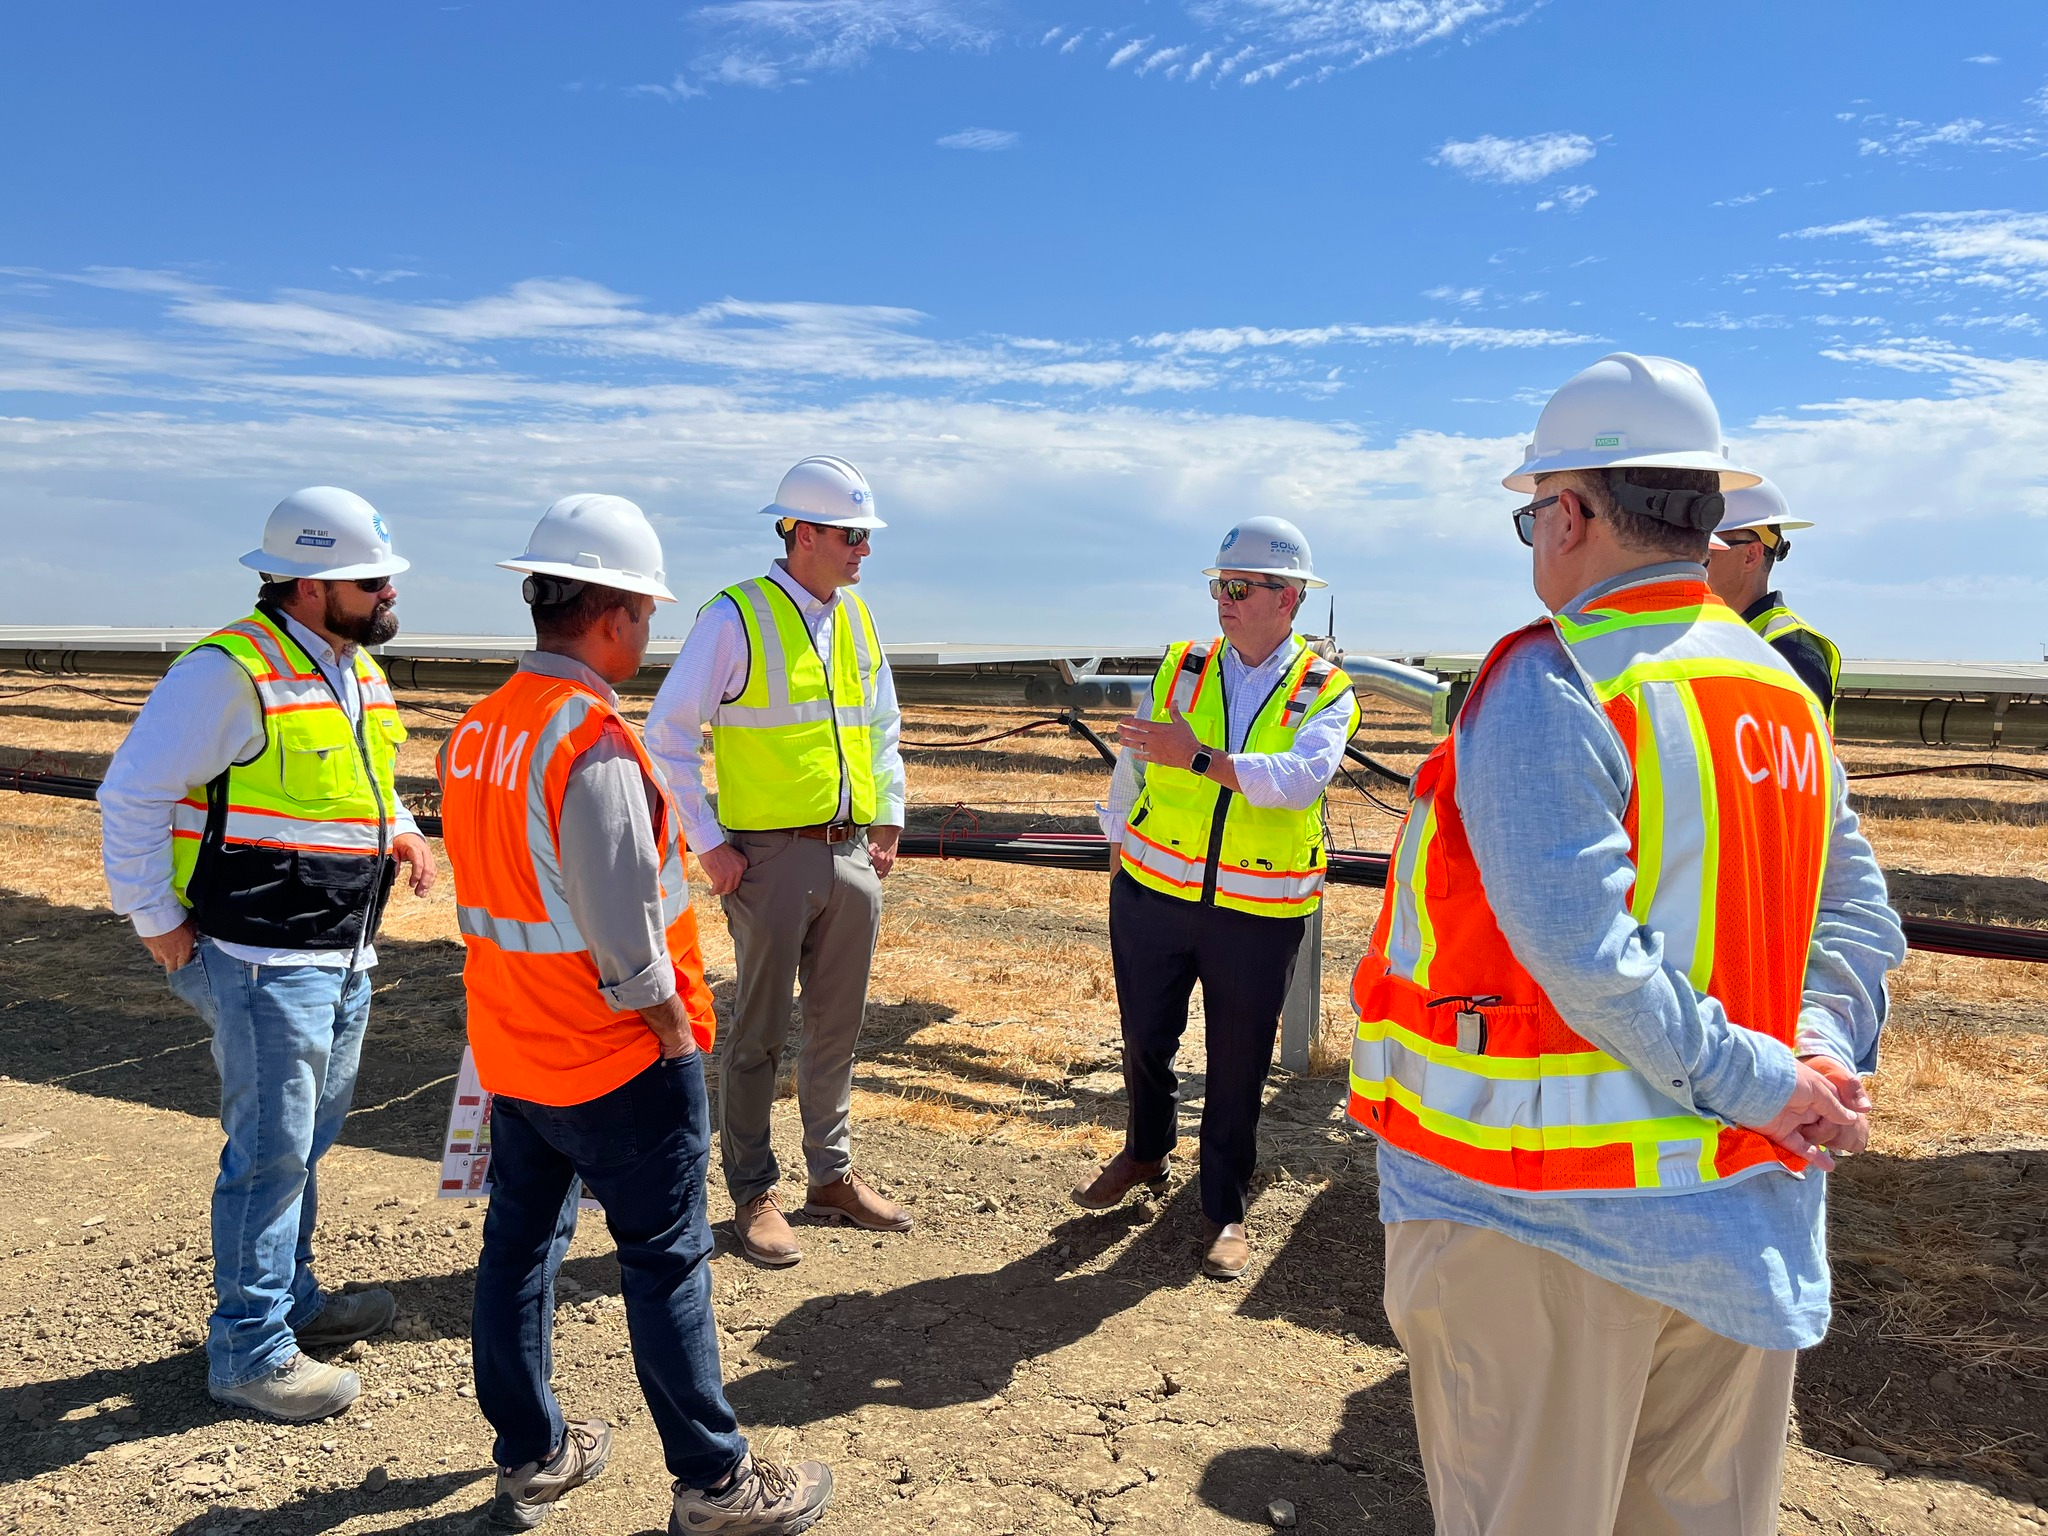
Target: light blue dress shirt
{"x":1543,"y":783}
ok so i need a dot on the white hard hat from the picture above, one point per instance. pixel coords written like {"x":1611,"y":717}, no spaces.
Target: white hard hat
{"x":1757,"y":506}
{"x":602,"y":539}
{"x":1271,"y":545}
{"x":1630,"y":412}
{"x":325,"y":534}
{"x":822,"y":489}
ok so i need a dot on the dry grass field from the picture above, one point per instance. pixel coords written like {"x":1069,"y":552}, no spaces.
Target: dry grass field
{"x":1010,"y":1367}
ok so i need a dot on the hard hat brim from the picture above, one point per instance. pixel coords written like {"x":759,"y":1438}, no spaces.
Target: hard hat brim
{"x":303,"y":570}
{"x":1787,"y":523}
{"x":860,"y":520}
{"x":1270,"y":570}
{"x":1733,"y":477}
{"x":624,"y":581}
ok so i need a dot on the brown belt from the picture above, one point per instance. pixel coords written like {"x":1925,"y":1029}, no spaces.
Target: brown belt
{"x":826,"y":831}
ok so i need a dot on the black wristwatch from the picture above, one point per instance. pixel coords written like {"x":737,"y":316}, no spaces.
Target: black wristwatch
{"x":1200,"y":762}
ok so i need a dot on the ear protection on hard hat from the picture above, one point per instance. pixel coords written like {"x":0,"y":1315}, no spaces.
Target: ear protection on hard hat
{"x":1700,"y":510}
{"x":550,"y":591}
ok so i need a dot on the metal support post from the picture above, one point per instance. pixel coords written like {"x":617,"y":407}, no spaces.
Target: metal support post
{"x":1302,"y":1014}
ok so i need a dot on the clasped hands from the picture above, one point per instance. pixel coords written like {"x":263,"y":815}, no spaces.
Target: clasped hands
{"x":1829,"y":1112}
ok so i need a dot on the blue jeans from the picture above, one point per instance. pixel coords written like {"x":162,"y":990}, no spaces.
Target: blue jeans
{"x":286,"y":1040}
{"x":642,"y":1150}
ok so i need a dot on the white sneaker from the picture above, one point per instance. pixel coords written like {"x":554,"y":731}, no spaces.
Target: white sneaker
{"x":298,"y":1392}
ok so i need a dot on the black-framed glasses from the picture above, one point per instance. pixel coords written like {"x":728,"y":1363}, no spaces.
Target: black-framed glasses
{"x":1525,"y":518}
{"x":1736,"y":540}
{"x":1237,"y":589}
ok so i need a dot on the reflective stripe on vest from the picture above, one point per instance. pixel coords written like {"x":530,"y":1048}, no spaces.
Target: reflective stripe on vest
{"x":797,"y":729}
{"x":539,"y":1026}
{"x":1775,"y":624}
{"x":306,"y":791}
{"x":1188,"y":836}
{"x":1461,"y":1057}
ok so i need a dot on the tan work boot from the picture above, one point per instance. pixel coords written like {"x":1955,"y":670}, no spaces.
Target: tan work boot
{"x":764,"y":1232}
{"x":298,"y":1392}
{"x":1123,"y":1174}
{"x":347,"y":1317}
{"x":760,"y":1499}
{"x":1225,"y":1249}
{"x":525,"y":1495}
{"x":854,"y":1199}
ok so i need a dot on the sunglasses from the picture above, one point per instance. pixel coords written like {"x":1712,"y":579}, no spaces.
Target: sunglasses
{"x":855,"y":537}
{"x":371,"y":584}
{"x":1525,"y":518}
{"x":1237,"y":589}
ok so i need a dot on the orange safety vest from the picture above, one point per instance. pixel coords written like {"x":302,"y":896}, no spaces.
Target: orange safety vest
{"x":1461,"y":1058}
{"x":538,"y":1027}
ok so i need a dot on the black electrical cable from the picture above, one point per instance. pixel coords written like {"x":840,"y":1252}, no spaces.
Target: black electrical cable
{"x":1906,"y":773}
{"x":1084,"y":851}
{"x":1365,"y":759}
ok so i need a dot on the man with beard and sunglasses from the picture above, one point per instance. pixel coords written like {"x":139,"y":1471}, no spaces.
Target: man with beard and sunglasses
{"x":787,"y":671}
{"x":252,"y":833}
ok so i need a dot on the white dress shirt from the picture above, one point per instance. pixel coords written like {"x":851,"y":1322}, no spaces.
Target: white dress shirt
{"x":201,"y":719}
{"x":1290,"y":780}
{"x":711,"y":670}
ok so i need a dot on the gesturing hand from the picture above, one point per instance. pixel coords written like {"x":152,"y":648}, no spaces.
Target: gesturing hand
{"x":1170,"y":743}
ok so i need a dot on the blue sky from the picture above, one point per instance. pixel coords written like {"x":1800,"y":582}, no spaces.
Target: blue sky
{"x":1078,"y":287}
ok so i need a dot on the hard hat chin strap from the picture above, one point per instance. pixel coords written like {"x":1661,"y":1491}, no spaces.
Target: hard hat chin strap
{"x":1701,"y":510}
{"x":550,"y":591}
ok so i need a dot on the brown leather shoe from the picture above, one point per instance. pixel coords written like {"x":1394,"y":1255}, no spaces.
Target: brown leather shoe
{"x":1226,"y":1250}
{"x":1123,"y":1174}
{"x":853,"y":1199}
{"x":764,"y":1232}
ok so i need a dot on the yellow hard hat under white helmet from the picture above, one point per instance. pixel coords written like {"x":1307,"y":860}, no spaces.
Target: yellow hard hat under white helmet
{"x":1760,"y":506}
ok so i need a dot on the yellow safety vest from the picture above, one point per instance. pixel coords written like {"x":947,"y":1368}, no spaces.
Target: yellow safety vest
{"x":1188,"y":836}
{"x":1774,"y":624}
{"x":289,"y":850}
{"x":792,"y":736}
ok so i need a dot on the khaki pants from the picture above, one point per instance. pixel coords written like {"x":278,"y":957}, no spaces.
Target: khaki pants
{"x":1553,"y":1403}
{"x":807,"y":912}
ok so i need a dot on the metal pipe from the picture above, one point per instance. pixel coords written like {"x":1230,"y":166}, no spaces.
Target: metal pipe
{"x":1995,"y":722}
{"x":1412,"y":686}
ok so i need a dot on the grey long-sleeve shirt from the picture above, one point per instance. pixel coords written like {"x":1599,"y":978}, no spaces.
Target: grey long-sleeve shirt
{"x":611,"y":868}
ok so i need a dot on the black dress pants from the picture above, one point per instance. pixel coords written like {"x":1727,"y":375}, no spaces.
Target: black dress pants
{"x":1161,"y":946}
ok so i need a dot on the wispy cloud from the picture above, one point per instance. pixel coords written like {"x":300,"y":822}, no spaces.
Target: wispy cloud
{"x":769,"y":43}
{"x":1982,"y":58}
{"x":1129,"y":51}
{"x":1571,"y":199}
{"x":984,"y":139}
{"x":1228,"y":339}
{"x":1745,"y":199}
{"x":1985,"y":250}
{"x":1515,"y":162}
{"x":1906,"y":138}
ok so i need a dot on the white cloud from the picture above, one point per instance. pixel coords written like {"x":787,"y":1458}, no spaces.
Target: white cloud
{"x":1745,"y":199}
{"x":1571,"y":199}
{"x":1228,"y":339}
{"x":1907,"y":138}
{"x":769,"y":43}
{"x":1129,"y":51}
{"x":1515,"y":161}
{"x":1994,"y":250}
{"x":980,"y":138}
{"x":1982,"y":58}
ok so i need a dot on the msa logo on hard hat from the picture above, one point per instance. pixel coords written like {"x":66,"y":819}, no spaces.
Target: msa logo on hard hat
{"x":319,"y":538}
{"x":1610,"y":439}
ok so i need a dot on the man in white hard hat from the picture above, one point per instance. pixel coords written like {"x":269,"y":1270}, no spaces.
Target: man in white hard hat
{"x":588,"y":1016}
{"x":1605,"y":1041}
{"x":1216,"y":810}
{"x":788,"y":672}
{"x":251,"y":832}
{"x":1744,"y":554}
